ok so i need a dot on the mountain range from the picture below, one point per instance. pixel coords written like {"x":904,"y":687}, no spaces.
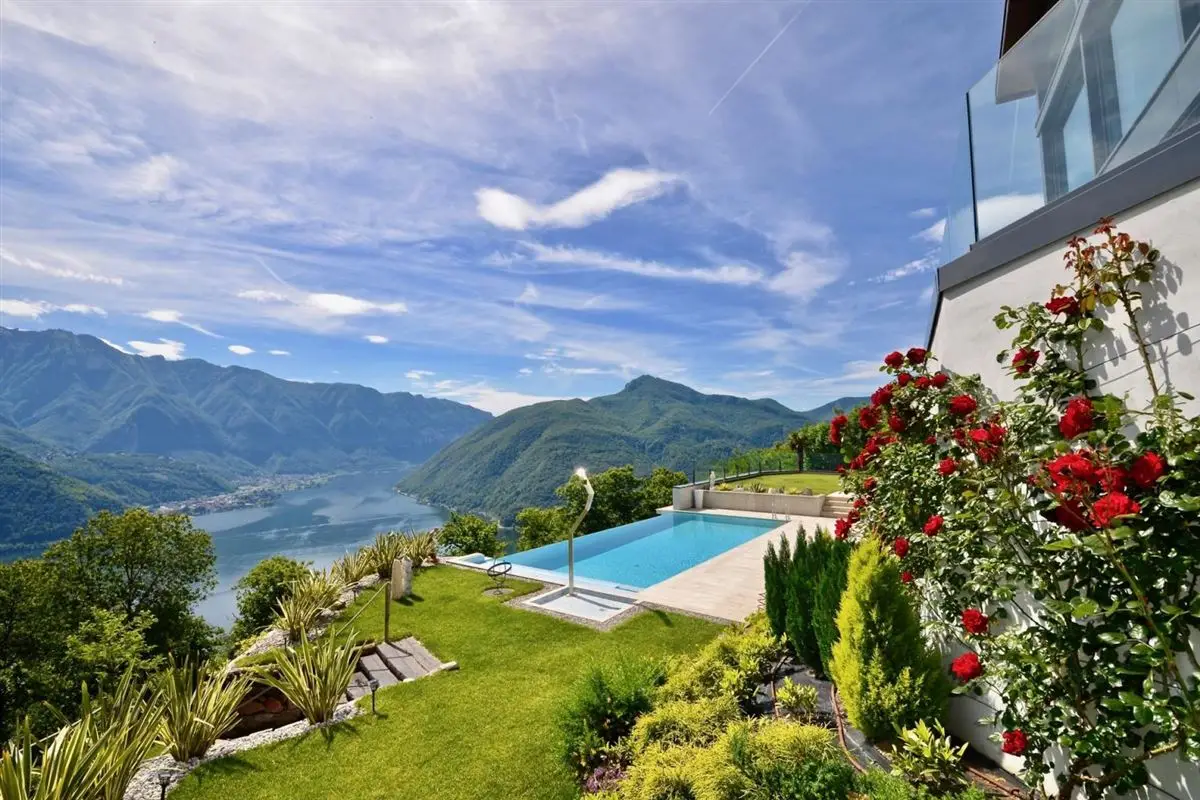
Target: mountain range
{"x":107,"y":428}
{"x":518,"y":458}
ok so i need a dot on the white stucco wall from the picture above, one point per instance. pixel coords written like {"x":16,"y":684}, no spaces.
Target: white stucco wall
{"x":966,"y":341}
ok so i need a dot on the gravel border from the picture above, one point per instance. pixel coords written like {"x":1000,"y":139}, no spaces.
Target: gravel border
{"x":145,"y":784}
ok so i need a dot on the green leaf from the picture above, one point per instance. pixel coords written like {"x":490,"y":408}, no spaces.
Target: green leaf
{"x":1084,"y":607}
{"x":1068,"y":542}
{"x":1131,"y":699}
{"x":1112,"y":637}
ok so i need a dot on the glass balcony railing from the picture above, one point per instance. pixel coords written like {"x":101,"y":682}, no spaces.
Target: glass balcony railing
{"x":1092,"y":85}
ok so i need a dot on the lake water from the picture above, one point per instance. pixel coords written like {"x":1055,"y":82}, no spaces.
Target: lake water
{"x":319,"y":525}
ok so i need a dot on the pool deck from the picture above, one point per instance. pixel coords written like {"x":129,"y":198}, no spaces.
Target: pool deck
{"x":728,"y":586}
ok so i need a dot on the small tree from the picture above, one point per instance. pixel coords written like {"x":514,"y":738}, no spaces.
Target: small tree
{"x":828,"y":587}
{"x":541,"y":526}
{"x":466,"y":533}
{"x":776,"y":568}
{"x":886,"y":675}
{"x":796,"y":442}
{"x":799,"y":607}
{"x":261,"y":589}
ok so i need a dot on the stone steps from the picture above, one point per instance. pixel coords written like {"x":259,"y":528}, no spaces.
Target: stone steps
{"x":392,"y":663}
{"x":837,"y":505}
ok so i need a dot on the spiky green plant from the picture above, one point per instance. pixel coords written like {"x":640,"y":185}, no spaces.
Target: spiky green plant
{"x":386,"y":549}
{"x":92,"y":758}
{"x":199,"y":706}
{"x":421,"y":547}
{"x":297,"y":615}
{"x":353,"y":567}
{"x":320,"y":587}
{"x":313,"y":675}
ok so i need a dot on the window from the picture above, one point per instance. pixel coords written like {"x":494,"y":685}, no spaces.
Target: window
{"x":1147,"y":37}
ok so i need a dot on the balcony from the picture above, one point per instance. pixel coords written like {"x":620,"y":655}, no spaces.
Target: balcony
{"x":1092,"y":85}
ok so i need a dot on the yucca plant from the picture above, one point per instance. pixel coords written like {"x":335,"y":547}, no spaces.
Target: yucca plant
{"x":386,"y":549}
{"x":199,"y":706}
{"x":421,"y":547}
{"x":297,"y":615}
{"x":313,"y":675}
{"x":92,"y":758}
{"x":353,"y":567}
{"x":321,"y":588}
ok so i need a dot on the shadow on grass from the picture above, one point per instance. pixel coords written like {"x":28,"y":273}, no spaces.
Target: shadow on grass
{"x":222,"y":767}
{"x":329,"y":733}
{"x":663,"y":617}
{"x":412,"y":599}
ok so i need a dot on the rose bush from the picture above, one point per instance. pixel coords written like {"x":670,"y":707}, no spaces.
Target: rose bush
{"x":1063,"y":530}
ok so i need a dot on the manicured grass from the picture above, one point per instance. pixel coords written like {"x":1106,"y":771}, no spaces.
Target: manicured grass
{"x":819,"y":482}
{"x":485,"y":731}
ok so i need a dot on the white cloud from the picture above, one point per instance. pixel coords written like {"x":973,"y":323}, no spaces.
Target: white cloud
{"x":934,"y":233}
{"x":572,"y":300}
{"x":617,"y":189}
{"x":65,"y":273}
{"x":999,"y":210}
{"x":375,"y":338}
{"x":524,"y":371}
{"x":324,"y":304}
{"x":172,"y":317}
{"x":278,"y":353}
{"x":923,"y":213}
{"x":735,"y":274}
{"x":240,"y":349}
{"x":116,"y":347}
{"x":918,"y":265}
{"x":34,"y":309}
{"x":167,"y":348}
{"x":418,"y":374}
{"x":262,"y":296}
{"x":805,"y":274}
{"x":483,"y":395}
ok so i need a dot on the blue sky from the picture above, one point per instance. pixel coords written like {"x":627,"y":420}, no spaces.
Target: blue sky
{"x":494,"y":203}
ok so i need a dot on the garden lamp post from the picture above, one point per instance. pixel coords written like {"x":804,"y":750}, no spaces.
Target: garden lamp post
{"x":587,"y":505}
{"x":164,"y":780}
{"x":373,"y":685}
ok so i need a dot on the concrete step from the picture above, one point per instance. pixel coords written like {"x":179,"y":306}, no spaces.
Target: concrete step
{"x":426,"y":659}
{"x":402,"y":665}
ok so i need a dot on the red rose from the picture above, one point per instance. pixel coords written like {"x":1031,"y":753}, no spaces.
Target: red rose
{"x":996,"y":432}
{"x":1113,"y":505}
{"x":1024,"y":359}
{"x":1073,"y":472}
{"x":1070,"y":514}
{"x":894,"y":359}
{"x":900,"y":547}
{"x":980,"y":435}
{"x":835,"y":429}
{"x":869,"y":484}
{"x":1112,"y":478}
{"x":940,"y":379}
{"x":841,"y":469}
{"x":1014,"y":742}
{"x":947,"y":466}
{"x":882,"y":396}
{"x":896,"y":423}
{"x":1077,"y":418}
{"x":923,"y":382}
{"x":917,"y":355}
{"x":966,"y":667}
{"x":1063,"y":305}
{"x":868,"y":418}
{"x":860,"y":502}
{"x":933,"y":525}
{"x":975,"y":621}
{"x":841,"y":528}
{"x":962,"y":404}
{"x":931,"y":439}
{"x":906,"y":577}
{"x":1147,"y":469}
{"x":903,"y":379}
{"x":853,"y":516}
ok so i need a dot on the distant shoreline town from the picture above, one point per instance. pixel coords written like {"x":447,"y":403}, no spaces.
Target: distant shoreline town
{"x":262,"y":493}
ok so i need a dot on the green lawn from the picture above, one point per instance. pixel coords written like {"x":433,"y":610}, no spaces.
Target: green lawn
{"x":819,"y":482}
{"x":485,"y":731}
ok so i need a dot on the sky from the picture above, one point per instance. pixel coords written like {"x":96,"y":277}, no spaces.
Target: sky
{"x":495,"y":203}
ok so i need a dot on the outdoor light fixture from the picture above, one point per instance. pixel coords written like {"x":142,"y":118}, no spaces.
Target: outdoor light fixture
{"x":580,"y":473}
{"x":164,"y":780}
{"x":373,"y":684}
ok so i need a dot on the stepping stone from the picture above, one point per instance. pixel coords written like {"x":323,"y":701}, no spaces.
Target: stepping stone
{"x":358,"y":687}
{"x":402,"y":665}
{"x":423,"y":657}
{"x":374,"y":667}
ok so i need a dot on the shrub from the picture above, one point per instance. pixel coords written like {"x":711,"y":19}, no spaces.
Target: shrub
{"x":776,"y":568}
{"x":385,"y":550}
{"x":421,"y":547}
{"x":927,"y":756}
{"x":733,"y":664}
{"x":797,"y":699}
{"x":312,"y":675}
{"x":297,"y":615}
{"x":681,"y":722}
{"x":601,"y":709}
{"x":199,"y":705}
{"x":317,"y":588}
{"x":541,"y":526}
{"x":799,"y":606}
{"x":665,"y":774}
{"x":885,"y":674}
{"x":353,"y":567}
{"x":260,"y":590}
{"x":829,"y":585}
{"x":466,"y":533}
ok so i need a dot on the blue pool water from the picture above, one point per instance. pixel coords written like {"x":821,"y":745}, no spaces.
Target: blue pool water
{"x":644,"y":553}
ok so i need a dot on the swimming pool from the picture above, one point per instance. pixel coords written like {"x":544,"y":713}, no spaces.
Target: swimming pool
{"x":644,"y":553}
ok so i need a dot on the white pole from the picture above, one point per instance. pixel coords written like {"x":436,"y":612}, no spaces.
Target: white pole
{"x":587,"y":505}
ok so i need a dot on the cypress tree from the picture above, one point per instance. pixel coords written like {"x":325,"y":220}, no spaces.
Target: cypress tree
{"x":827,"y":596}
{"x":799,"y":607}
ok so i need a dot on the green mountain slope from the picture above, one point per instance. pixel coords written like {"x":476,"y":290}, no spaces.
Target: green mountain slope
{"x":77,"y":393}
{"x":39,"y":505}
{"x":518,"y":458}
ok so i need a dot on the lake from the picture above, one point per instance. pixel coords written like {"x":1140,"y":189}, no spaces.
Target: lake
{"x":319,"y":524}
